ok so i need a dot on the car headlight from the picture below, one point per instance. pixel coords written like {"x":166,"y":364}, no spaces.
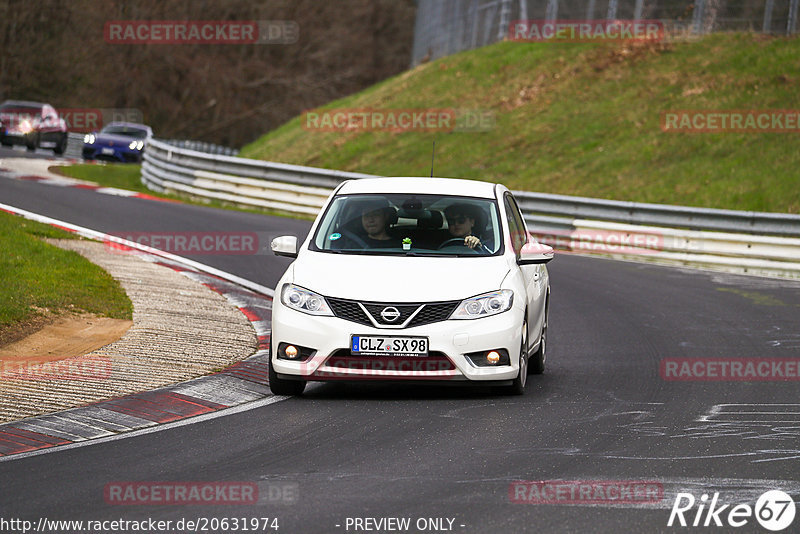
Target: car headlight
{"x":139,"y":145}
{"x":25,"y":127}
{"x":132,"y":145}
{"x":89,"y":139}
{"x":484,"y":305}
{"x":304,"y":300}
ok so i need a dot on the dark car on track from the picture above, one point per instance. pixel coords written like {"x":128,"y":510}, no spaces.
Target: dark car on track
{"x":32,"y":124}
{"x":117,"y":141}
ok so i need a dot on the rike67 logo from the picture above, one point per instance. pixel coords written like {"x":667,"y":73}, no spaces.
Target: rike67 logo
{"x":774,"y":510}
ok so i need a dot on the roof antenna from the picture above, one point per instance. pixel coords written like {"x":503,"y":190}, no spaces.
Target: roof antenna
{"x":433,"y":151}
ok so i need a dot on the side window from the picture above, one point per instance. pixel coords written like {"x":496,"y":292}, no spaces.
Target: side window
{"x":515,"y":224}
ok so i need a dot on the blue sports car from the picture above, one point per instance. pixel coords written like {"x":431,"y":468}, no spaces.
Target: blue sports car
{"x":117,"y":141}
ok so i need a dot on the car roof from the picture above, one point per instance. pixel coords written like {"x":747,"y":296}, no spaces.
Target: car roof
{"x":419,"y":185}
{"x":24,"y":103}
{"x":129,"y":125}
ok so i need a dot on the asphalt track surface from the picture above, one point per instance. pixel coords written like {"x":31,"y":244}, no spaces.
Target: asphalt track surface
{"x":601,"y":411}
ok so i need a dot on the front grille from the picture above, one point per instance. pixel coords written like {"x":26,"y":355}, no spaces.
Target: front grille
{"x":348,"y":310}
{"x":431,"y":312}
{"x":435,"y":361}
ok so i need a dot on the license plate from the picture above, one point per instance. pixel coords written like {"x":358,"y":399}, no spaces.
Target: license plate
{"x":109,"y":151}
{"x":388,"y":346}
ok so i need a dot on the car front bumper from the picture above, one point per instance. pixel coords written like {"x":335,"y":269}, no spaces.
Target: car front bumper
{"x":449,"y":342}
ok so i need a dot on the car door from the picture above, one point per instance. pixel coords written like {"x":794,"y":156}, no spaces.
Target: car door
{"x":534,"y":276}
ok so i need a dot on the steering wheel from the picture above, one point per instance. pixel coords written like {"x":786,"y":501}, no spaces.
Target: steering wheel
{"x":450,"y":242}
{"x":358,"y":240}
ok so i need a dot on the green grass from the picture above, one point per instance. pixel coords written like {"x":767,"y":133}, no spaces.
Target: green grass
{"x":37,"y":276}
{"x":128,"y":176}
{"x":584,"y":119}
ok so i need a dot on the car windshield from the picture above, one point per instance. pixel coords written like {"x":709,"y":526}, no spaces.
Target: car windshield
{"x":15,"y":109}
{"x":410,"y":225}
{"x":128,"y":131}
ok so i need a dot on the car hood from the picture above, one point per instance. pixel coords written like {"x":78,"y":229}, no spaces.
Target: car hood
{"x":118,"y":140}
{"x":398,"y":278}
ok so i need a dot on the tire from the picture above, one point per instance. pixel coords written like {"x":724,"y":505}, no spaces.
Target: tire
{"x":517,"y":387}
{"x":61,"y":146}
{"x":31,"y":143}
{"x":539,"y":358}
{"x":280,"y":386}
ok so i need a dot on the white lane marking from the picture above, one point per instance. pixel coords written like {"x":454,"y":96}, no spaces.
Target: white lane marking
{"x":94,"y":234}
{"x":753,"y":413}
{"x":144,"y":431}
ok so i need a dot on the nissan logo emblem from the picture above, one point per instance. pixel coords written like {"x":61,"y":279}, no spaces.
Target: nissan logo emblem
{"x":390,"y":314}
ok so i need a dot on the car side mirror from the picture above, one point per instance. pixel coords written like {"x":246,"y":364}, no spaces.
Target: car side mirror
{"x":535,"y":253}
{"x":285,"y":245}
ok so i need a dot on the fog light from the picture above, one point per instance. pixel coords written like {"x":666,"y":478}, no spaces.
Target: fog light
{"x":296,"y":353}
{"x":493,"y":357}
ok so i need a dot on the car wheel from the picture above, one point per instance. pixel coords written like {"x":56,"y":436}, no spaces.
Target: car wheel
{"x":536,"y":365}
{"x":30,"y":143}
{"x":518,"y":385}
{"x":61,"y":146}
{"x":280,"y":386}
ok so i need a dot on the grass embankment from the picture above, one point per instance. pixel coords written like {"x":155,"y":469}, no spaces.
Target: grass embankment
{"x":40,"y":280}
{"x":584,"y":119}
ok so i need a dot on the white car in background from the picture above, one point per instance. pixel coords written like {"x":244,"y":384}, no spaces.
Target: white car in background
{"x":387,"y":286}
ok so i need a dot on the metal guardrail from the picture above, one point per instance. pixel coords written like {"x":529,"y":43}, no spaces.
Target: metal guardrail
{"x":741,"y":241}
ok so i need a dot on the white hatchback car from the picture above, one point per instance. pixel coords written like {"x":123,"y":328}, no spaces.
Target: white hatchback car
{"x":412,"y":279}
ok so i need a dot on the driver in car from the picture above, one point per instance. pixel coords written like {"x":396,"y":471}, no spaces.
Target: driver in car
{"x":369,"y":228}
{"x":461,"y":219}
{"x":375,"y":221}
